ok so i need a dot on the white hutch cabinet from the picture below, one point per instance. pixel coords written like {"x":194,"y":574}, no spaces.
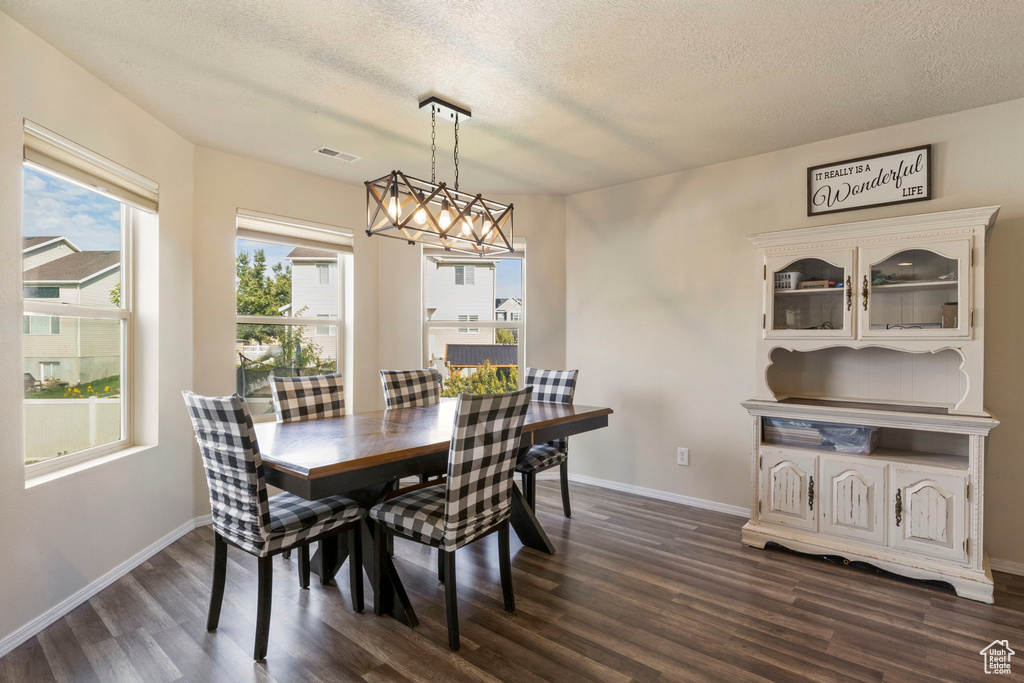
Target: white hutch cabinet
{"x":868,"y":426}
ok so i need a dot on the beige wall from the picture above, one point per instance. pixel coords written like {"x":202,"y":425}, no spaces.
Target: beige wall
{"x":662,"y":302}
{"x":60,"y":535}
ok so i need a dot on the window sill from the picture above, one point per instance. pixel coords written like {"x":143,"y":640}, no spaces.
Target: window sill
{"x":36,"y":477}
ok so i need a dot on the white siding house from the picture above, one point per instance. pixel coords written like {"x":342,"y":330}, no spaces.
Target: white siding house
{"x":71,"y":350}
{"x":315,"y":293}
{"x":460,"y":290}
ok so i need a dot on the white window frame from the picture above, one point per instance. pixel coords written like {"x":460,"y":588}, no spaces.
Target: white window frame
{"x":469,"y":319}
{"x":42,"y":368}
{"x":431,"y":324}
{"x":259,"y":227}
{"x":468,"y":275}
{"x":129,"y":221}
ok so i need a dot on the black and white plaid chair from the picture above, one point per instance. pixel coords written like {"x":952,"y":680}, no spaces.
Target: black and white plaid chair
{"x":308,"y":398}
{"x":411,"y":388}
{"x":475,"y":500}
{"x":550,"y":386}
{"x":244,"y":517}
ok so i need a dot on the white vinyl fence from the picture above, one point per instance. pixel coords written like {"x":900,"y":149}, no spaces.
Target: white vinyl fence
{"x":55,"y":426}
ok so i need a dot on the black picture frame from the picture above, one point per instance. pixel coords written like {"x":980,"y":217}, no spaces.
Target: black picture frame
{"x":928,"y":180}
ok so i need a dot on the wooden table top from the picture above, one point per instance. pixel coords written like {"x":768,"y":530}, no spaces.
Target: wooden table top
{"x":319,"y":448}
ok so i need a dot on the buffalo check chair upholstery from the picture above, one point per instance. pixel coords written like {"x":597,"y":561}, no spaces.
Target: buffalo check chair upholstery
{"x":475,"y":500}
{"x":243,"y":515}
{"x":549,"y":386}
{"x":308,"y":398}
{"x":411,"y":388}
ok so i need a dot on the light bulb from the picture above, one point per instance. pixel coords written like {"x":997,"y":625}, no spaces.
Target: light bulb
{"x":445,"y":217}
{"x":393,"y":209}
{"x":420,"y":216}
{"x":467,"y":226}
{"x":487,"y":227}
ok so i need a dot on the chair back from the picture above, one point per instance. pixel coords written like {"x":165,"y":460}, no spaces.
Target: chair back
{"x":411,"y":388}
{"x":308,"y":398}
{"x":481,"y":464}
{"x":553,"y":386}
{"x":234,"y":470}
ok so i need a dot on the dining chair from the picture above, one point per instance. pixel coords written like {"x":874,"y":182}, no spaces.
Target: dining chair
{"x":243,"y":515}
{"x":550,"y":386}
{"x":307,"y":398}
{"x":475,"y":501}
{"x":411,"y":389}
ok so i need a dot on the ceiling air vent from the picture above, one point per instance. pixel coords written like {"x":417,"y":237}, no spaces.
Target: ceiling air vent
{"x":335,"y":154}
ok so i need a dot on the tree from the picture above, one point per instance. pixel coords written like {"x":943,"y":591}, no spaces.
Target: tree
{"x":260,"y":294}
{"x":486,"y":380}
{"x":502,"y":336}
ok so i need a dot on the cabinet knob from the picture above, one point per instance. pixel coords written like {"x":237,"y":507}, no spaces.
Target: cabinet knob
{"x":899,"y":506}
{"x":810,"y":495}
{"x":864,"y":292}
{"x":849,"y":294}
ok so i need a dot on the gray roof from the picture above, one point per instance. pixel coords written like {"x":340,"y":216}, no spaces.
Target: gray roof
{"x":37,"y":240}
{"x":474,"y":355}
{"x":307,"y":252}
{"x":74,"y":267}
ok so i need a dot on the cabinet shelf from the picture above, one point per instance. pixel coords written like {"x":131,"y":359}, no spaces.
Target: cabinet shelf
{"x":883,"y":455}
{"x":896,"y":287}
{"x":820,"y":290}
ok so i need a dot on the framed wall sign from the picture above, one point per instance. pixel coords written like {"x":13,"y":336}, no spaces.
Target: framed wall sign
{"x":877,"y":180}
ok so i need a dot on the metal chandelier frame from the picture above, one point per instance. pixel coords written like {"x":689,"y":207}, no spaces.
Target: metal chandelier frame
{"x":419,"y":211}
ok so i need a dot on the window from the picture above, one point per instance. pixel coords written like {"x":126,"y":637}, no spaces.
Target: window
{"x":465,"y":275}
{"x":290,"y":302}
{"x":486,"y":357}
{"x":80,"y":214}
{"x":34,"y":292}
{"x":41,"y":324}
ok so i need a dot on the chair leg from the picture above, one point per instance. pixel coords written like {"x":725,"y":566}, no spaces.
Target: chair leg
{"x":440,"y":565}
{"x":266,"y":587}
{"x":287,"y":554}
{"x":564,"y":467}
{"x":451,"y":606}
{"x":505,"y":564}
{"x":380,"y":558}
{"x":220,"y":567}
{"x":304,"y":566}
{"x":355,"y":566}
{"x":531,"y":497}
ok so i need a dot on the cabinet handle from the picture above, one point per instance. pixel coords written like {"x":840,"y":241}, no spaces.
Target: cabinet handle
{"x":899,"y":506}
{"x":864,"y":292}
{"x":849,"y":294}
{"x":810,"y":495}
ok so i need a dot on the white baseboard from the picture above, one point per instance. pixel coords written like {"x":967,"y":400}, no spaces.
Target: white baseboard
{"x":13,"y":640}
{"x":1006,"y":566}
{"x":652,"y":493}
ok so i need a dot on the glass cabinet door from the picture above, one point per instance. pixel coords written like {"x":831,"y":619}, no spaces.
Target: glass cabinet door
{"x":809,"y":296}
{"x":918,"y":291}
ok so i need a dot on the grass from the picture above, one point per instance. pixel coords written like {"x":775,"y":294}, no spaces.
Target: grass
{"x":101,"y":388}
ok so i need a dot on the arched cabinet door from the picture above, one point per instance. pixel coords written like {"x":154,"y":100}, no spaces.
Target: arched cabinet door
{"x":918,"y":290}
{"x":928,"y":513}
{"x":852,"y":498}
{"x":809,"y":295}
{"x":787,"y":488}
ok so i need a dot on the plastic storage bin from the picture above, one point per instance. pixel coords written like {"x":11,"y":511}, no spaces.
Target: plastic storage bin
{"x":788,"y":280}
{"x":823,"y":436}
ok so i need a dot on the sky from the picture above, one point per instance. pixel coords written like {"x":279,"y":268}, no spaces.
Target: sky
{"x":53,"y":206}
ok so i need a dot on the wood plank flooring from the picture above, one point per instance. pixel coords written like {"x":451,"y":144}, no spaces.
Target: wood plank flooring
{"x":639,"y":590}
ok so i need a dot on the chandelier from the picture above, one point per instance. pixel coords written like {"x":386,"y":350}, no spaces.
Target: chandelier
{"x":429,"y":212}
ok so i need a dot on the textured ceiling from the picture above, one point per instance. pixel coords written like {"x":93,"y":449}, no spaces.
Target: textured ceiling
{"x":566,"y":95}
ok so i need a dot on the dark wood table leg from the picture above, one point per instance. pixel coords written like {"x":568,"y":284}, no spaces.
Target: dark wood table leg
{"x":332,"y":553}
{"x":524,"y":521}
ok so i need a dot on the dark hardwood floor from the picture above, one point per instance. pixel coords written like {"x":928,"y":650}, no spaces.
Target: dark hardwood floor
{"x":639,"y":590}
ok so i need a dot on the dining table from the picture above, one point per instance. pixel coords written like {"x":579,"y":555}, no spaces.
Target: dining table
{"x":364,"y":456}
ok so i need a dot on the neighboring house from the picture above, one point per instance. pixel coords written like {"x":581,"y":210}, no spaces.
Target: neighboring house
{"x":463,"y":357}
{"x":71,"y":350}
{"x":508,"y":309}
{"x":315,"y":289}
{"x":460,"y":290}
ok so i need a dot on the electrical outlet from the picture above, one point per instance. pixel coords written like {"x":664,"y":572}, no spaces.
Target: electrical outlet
{"x":683,"y":456}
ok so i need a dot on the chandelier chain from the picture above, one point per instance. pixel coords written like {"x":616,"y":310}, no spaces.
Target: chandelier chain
{"x":456,"y":151}
{"x":433,"y":147}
